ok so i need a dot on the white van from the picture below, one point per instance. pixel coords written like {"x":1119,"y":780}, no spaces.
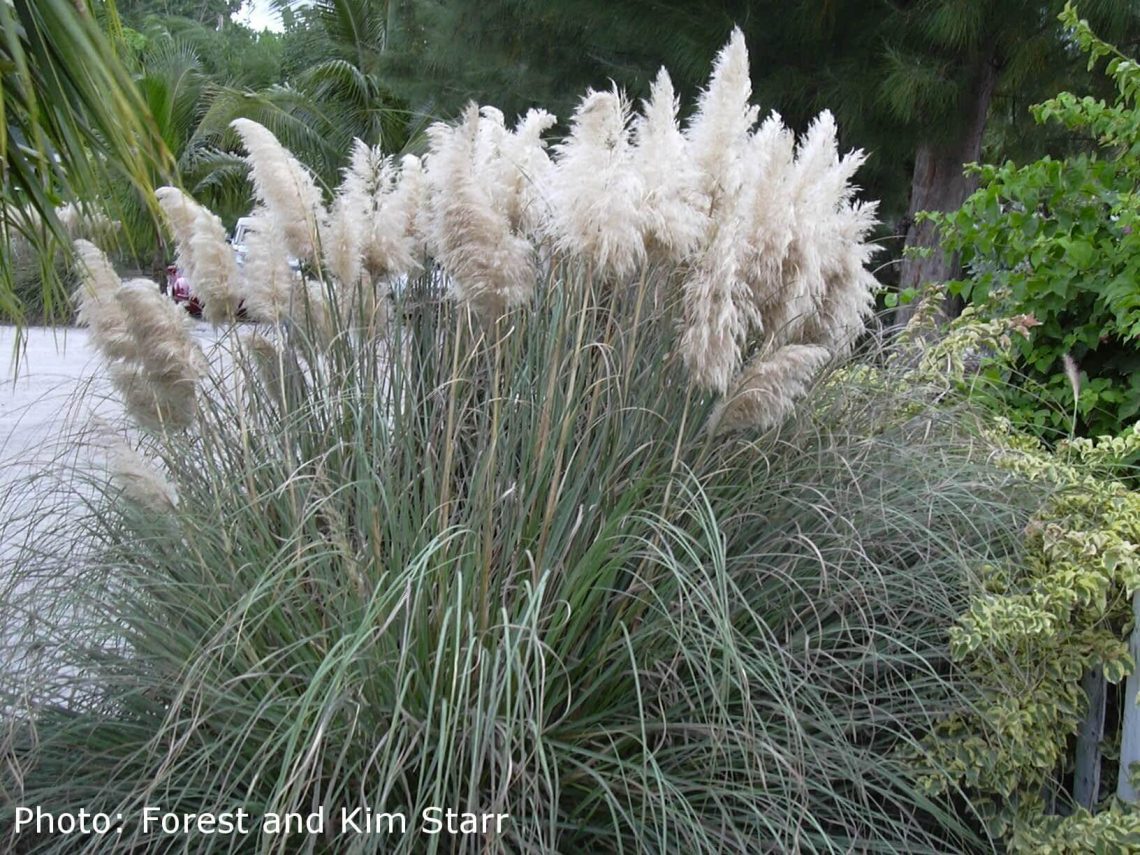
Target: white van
{"x":242,"y":229}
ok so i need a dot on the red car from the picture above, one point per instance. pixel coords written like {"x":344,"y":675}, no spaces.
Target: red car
{"x":179,"y":290}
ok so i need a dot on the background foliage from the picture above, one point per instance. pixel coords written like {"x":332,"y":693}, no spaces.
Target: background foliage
{"x":1058,"y":240}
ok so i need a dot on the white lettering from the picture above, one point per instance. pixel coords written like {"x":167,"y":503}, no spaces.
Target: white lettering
{"x":432,"y":823}
{"x":437,"y":820}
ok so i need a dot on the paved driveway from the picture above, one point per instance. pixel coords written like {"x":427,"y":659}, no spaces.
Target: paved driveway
{"x":51,"y":392}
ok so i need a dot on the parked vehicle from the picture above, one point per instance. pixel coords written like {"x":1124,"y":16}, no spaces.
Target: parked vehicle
{"x":178,"y":287}
{"x":241,"y":229}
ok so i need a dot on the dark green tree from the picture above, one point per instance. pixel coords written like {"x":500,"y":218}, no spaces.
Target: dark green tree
{"x":211,"y":12}
{"x":235,"y":55}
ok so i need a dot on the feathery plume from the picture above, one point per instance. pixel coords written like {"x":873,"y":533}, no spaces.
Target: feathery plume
{"x":849,"y":293}
{"x":267,"y":279}
{"x":204,"y":255}
{"x":168,"y":363}
{"x":411,"y":196}
{"x":718,"y":306}
{"x":346,"y":232}
{"x":835,"y":290}
{"x":717,"y":312}
{"x":342,"y":235}
{"x":145,"y":339}
{"x":814,"y":193}
{"x":98,"y":308}
{"x":673,"y":207}
{"x":766,"y":391}
{"x":526,"y":172}
{"x":369,"y":230}
{"x":138,"y":480}
{"x":806,"y":249}
{"x":159,"y":326}
{"x":389,"y":248}
{"x":492,"y":267}
{"x":771,"y":219}
{"x":285,"y":187}
{"x":595,"y":193}
{"x":152,"y":407}
{"x":719,"y":130}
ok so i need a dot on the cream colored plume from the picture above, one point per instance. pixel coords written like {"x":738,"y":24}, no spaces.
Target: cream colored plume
{"x":673,"y":207}
{"x":596,"y":194}
{"x":285,"y":187}
{"x":162,"y":381}
{"x":513,"y":166}
{"x":763,"y":237}
{"x":99,"y":311}
{"x":718,"y":132}
{"x":804,"y":285}
{"x":411,"y":188}
{"x":144,"y":338}
{"x":766,"y":391}
{"x":370,"y":236}
{"x":151,"y":406}
{"x":204,"y":255}
{"x":829,"y":292}
{"x":343,"y":234}
{"x":389,"y":247}
{"x":268,"y":280}
{"x":524,"y":169}
{"x":849,"y":296}
{"x":492,"y":267}
{"x":770,"y":219}
{"x":140,"y":481}
{"x":718,"y":311}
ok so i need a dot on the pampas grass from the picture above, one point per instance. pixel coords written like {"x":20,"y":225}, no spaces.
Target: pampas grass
{"x":267,"y":280}
{"x":765,"y":393}
{"x":144,"y":339}
{"x":97,"y":307}
{"x":204,"y":255}
{"x":584,"y":543}
{"x":505,"y":567}
{"x":492,"y":266}
{"x":285,"y":187}
{"x":138,"y":478}
{"x":761,"y":237}
{"x":674,"y":210}
{"x":160,"y":386}
{"x":596,"y":192}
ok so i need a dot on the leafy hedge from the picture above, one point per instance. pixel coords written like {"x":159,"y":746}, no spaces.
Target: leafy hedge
{"x":1059,"y":242}
{"x":1038,"y":625}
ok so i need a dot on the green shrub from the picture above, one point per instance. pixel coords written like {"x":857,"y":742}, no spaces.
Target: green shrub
{"x":1058,"y":241}
{"x":1036,"y":629}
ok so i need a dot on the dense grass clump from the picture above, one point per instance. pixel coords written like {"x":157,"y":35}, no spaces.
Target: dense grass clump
{"x":506,"y":567}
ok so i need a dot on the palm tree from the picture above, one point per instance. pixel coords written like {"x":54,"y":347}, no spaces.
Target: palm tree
{"x":71,"y":117}
{"x":344,"y":80}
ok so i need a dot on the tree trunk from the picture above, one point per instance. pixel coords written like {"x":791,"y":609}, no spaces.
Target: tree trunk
{"x":939,"y":184}
{"x":1086,"y":775}
{"x":1130,"y":723}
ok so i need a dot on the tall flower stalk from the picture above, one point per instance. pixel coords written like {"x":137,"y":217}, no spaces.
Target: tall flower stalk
{"x":760,"y":237}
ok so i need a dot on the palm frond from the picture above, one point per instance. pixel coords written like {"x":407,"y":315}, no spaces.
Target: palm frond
{"x":71,"y":116}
